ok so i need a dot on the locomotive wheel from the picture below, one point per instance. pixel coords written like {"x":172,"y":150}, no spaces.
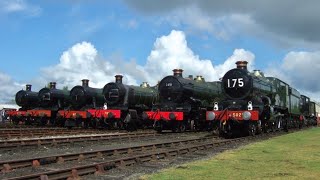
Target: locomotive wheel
{"x":252,"y":129}
{"x":192,"y":125}
{"x":158,"y":126}
{"x":182,"y":127}
{"x":94,"y":123}
{"x":259,"y":127}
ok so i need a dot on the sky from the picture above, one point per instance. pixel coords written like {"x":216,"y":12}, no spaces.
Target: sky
{"x":143,"y":40}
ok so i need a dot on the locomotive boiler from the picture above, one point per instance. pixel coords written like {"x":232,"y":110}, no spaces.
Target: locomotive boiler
{"x":50,"y":101}
{"x":183,"y":102}
{"x":82,"y":98}
{"x":27,"y":99}
{"x":254,"y":103}
{"x":124,"y":104}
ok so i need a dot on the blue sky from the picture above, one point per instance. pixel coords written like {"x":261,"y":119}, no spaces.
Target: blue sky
{"x":124,"y":36}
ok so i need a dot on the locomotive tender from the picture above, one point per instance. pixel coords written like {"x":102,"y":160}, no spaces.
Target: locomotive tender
{"x":183,"y":102}
{"x":124,"y":104}
{"x":255,"y":103}
{"x":82,"y":98}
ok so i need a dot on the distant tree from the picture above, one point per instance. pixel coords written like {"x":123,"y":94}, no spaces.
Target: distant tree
{"x":65,"y":88}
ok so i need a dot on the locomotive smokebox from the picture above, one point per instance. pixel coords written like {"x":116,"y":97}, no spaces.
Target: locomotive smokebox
{"x":242,"y":64}
{"x":53,"y":85}
{"x":118,"y":79}
{"x":177,"y":72}
{"x":85,"y":82}
{"x":28,"y":87}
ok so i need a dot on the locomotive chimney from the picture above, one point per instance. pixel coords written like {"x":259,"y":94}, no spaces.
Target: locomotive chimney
{"x":28,"y":87}
{"x":118,"y":79}
{"x":53,"y":85}
{"x":177,"y":72}
{"x":191,"y":77}
{"x":242,"y":64}
{"x":85,"y":82}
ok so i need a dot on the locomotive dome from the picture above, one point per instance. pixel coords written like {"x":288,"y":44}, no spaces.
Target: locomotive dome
{"x":237,"y":83}
{"x":170,"y":88}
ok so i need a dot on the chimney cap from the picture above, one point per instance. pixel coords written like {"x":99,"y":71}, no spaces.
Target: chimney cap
{"x":242,"y":64}
{"x":52,"y":85}
{"x":118,"y":78}
{"x":85,"y":82}
{"x":28,"y":87}
{"x":177,"y":72}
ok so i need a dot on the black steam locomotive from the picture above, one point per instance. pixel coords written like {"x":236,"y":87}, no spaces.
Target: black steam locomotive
{"x":27,"y":100}
{"x":183,"y":102}
{"x":51,"y":100}
{"x":255,"y":103}
{"x":124,"y":104}
{"x":82,"y":98}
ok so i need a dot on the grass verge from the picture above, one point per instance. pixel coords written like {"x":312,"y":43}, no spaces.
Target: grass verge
{"x":291,"y":156}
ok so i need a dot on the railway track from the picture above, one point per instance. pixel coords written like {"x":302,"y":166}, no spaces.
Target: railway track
{"x":113,"y":156}
{"x":97,"y":162}
{"x":54,"y":141}
{"x":23,"y":133}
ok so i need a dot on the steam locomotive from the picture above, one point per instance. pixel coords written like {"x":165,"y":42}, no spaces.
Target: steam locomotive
{"x":254,"y":103}
{"x":27,"y":100}
{"x":124,"y":105}
{"x":82,"y":98}
{"x":51,"y":100}
{"x":183,"y":102}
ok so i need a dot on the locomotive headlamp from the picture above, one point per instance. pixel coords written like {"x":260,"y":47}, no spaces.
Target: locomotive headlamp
{"x":246,"y":115}
{"x":250,"y":106}
{"x":172,"y":116}
{"x":215,"y":106}
{"x":210,"y":116}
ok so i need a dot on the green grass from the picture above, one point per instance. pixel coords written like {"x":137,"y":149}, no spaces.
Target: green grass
{"x":292,"y":156}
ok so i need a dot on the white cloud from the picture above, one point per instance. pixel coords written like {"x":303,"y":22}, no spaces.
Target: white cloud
{"x":172,"y":51}
{"x":15,"y":6}
{"x":8,"y":88}
{"x":81,"y":61}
